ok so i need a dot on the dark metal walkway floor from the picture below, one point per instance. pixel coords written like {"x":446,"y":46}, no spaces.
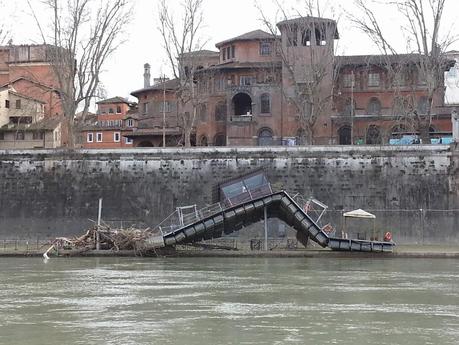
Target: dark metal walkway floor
{"x":217,"y":222}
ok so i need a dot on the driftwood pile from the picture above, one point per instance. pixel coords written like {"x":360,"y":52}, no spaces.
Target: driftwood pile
{"x":103,"y":237}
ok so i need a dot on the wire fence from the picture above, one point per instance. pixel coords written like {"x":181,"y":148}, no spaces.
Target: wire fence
{"x":421,"y":226}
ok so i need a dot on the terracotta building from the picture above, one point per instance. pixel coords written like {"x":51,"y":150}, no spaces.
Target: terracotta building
{"x":31,"y":114}
{"x":110,"y":127}
{"x":260,"y":89}
{"x":27,"y":68}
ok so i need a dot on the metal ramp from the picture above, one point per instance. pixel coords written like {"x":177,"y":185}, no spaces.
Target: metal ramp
{"x":222,"y":219}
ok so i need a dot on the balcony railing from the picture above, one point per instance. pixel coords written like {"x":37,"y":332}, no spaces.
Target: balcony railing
{"x":242,"y":118}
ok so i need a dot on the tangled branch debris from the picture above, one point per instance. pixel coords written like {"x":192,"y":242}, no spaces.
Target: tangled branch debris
{"x":109,"y":239}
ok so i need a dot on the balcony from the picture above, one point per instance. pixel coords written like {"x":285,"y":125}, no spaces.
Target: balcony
{"x":242,"y":118}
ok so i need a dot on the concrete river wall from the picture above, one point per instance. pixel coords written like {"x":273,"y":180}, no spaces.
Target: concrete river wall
{"x":413,"y":190}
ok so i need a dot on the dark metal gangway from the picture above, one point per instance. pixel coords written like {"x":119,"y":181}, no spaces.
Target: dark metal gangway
{"x":246,"y":204}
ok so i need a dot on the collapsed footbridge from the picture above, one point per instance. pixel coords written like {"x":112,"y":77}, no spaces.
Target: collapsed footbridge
{"x":246,"y":201}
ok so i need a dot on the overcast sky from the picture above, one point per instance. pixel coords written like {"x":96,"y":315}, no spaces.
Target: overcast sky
{"x":223,"y":19}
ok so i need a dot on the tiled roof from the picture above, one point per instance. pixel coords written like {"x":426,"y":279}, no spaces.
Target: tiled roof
{"x":363,"y":60}
{"x":243,"y":65}
{"x":114,"y":100}
{"x":249,"y":36}
{"x":169,"y":85}
{"x":26,"y":97}
{"x":46,"y":124}
{"x":203,"y":52}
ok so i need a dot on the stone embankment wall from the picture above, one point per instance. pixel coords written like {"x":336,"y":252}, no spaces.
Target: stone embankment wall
{"x":47,"y":194}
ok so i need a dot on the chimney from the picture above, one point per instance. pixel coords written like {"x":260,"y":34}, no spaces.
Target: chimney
{"x":146,"y":75}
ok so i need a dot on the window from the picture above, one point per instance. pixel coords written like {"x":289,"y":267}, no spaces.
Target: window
{"x":373,"y":135}
{"x":130,"y":123}
{"x":233,"y":51}
{"x":219,"y":84}
{"x":348,"y":80}
{"x":320,"y":37}
{"x":117,"y":137}
{"x":220,"y":139}
{"x":145,"y":108}
{"x":202,"y":112}
{"x":90,"y":138}
{"x":7,"y":104}
{"x":38,"y":135}
{"x":246,"y":80}
{"x":2,"y":136}
{"x":228,"y":53}
{"x":306,"y":38}
{"x":345,"y":135}
{"x":374,"y":79}
{"x":220,"y":112}
{"x":374,"y":106}
{"x":110,"y":111}
{"x":265,"y":48}
{"x":20,"y":135}
{"x":292,"y":36}
{"x":18,"y":104}
{"x":265,"y":102}
{"x":99,"y":137}
{"x":118,"y":109}
{"x":224,"y":54}
{"x":265,"y":137}
{"x":400,"y":79}
{"x":165,"y":107}
{"x":128,"y":141}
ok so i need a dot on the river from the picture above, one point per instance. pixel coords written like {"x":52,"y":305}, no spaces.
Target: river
{"x":229,"y":301}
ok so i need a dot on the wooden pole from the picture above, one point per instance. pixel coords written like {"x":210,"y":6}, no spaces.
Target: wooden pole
{"x":266,"y":228}
{"x":99,"y":218}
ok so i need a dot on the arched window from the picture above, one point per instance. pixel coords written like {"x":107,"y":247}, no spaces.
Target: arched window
{"x":306,"y":38}
{"x":203,"y":141}
{"x":220,"y":112}
{"x":373,"y":135}
{"x":265,"y":102}
{"x":242,"y":104}
{"x":320,"y":37}
{"x":349,"y":108}
{"x":374,"y":106}
{"x":344,"y":134}
{"x":220,"y":139}
{"x":202,"y":112}
{"x":265,"y":137}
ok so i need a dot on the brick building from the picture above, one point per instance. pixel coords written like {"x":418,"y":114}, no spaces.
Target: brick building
{"x":260,"y":89}
{"x":31,"y":115}
{"x":27,"y":69}
{"x":110,"y":127}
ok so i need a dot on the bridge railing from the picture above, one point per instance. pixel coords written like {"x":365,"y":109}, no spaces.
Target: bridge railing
{"x":177,"y":220}
{"x":249,"y":195}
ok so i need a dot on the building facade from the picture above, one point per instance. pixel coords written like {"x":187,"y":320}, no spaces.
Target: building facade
{"x":28,"y":69}
{"x":110,"y":127}
{"x":23,"y":124}
{"x":291,"y":89}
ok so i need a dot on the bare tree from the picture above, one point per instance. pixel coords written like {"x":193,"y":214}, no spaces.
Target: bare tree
{"x":181,"y":39}
{"x":310,"y":72}
{"x":85,"y":33}
{"x":3,"y":31}
{"x":422,"y":26}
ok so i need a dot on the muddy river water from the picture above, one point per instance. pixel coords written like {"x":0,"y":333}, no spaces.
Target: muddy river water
{"x":229,"y":301}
